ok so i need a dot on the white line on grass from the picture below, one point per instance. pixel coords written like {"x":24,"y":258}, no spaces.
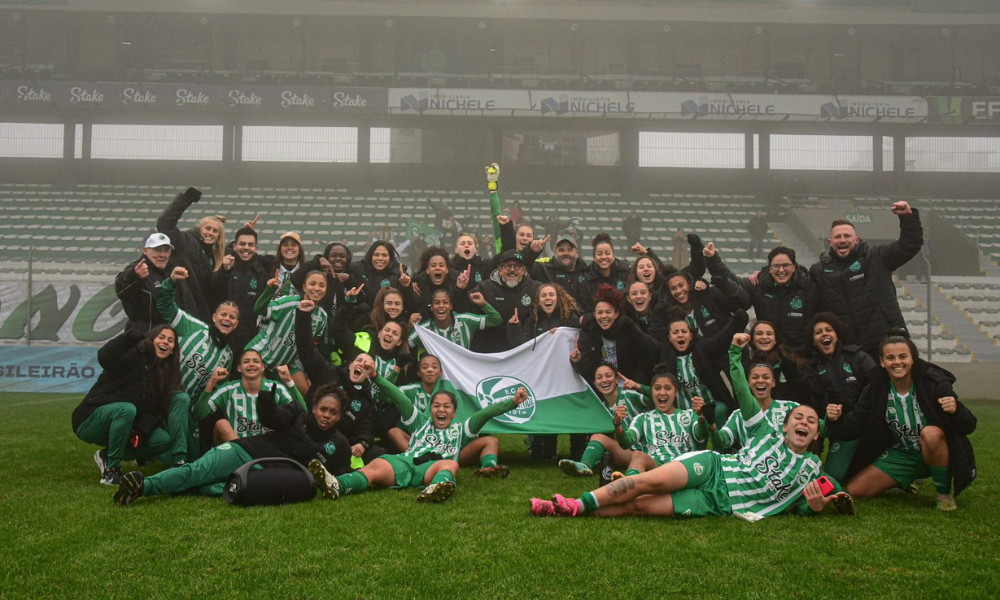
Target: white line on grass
{"x":2,"y":405}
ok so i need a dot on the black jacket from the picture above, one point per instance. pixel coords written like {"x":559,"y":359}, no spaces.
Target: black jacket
{"x":527,"y":329}
{"x":481,"y":268}
{"x":422,"y":303}
{"x":190,"y":252}
{"x":573,"y":281}
{"x":335,"y":290}
{"x":593,"y":279}
{"x":242,"y":284}
{"x":294,"y":434}
{"x":374,"y":279}
{"x":859,"y":289}
{"x":841,"y":376}
{"x":127,"y":377}
{"x":504,"y":300}
{"x":789,"y":306}
{"x":139,"y":296}
{"x":712,"y":307}
{"x":710,"y":356}
{"x":792,"y":381}
{"x":637,"y":352}
{"x":357,"y":418}
{"x":867,"y":421}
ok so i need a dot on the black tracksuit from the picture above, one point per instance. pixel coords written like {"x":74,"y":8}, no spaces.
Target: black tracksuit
{"x":504,"y":300}
{"x":139,"y":296}
{"x":712,"y":308}
{"x":842,"y":375}
{"x":242,"y":284}
{"x":859,"y":289}
{"x":357,"y":418}
{"x":527,"y":329}
{"x":867,"y":422}
{"x":190,"y":252}
{"x":636,"y":351}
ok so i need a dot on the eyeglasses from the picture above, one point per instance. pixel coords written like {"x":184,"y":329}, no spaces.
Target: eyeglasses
{"x":511,"y":266}
{"x":782,"y":267}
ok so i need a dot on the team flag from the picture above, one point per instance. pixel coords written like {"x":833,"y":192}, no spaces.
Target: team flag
{"x":559,"y":400}
{"x":415,"y":228}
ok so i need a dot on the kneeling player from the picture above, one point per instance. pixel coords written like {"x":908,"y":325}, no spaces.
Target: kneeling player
{"x":431,"y":459}
{"x":771,"y":474}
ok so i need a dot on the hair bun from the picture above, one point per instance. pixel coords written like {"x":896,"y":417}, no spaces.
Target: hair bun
{"x":601,"y":238}
{"x":899,"y":331}
{"x":660,"y":368}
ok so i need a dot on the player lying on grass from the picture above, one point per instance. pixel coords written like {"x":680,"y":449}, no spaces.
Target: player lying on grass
{"x":909,"y":425}
{"x":437,"y":446}
{"x":664,"y":433}
{"x":136,"y":409}
{"x":293,"y":433}
{"x":771,"y":474}
{"x":633,"y":399}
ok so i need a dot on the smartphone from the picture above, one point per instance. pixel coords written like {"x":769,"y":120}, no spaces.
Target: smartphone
{"x":825,"y":485}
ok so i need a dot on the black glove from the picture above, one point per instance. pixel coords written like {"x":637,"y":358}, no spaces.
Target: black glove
{"x":192,"y":194}
{"x":741,"y":319}
{"x":266,"y":395}
{"x":708,"y":411}
{"x":695,"y":242}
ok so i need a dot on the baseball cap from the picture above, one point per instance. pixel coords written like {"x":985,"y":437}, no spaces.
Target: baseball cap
{"x":290,"y":234}
{"x":511,"y":255}
{"x":158,"y":239}
{"x":565,"y":237}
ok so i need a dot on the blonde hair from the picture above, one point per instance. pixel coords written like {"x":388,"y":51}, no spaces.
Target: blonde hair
{"x":475,"y":242}
{"x":219,"y":247}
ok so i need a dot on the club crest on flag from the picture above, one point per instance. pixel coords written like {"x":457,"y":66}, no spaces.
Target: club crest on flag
{"x":493,"y":390}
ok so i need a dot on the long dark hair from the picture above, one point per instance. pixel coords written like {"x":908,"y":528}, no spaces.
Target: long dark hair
{"x":780,"y":351}
{"x":301,"y":260}
{"x":167,"y":371}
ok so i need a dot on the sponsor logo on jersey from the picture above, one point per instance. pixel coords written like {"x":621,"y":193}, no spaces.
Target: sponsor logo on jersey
{"x":664,"y":438}
{"x":796,"y":303}
{"x":501,"y":388}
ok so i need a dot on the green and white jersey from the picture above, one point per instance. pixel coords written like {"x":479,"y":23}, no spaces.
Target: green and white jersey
{"x":199,"y":356}
{"x":665,"y":437}
{"x":765,"y":476}
{"x":427,"y":439}
{"x":276,"y":342}
{"x":283,"y":276}
{"x":690,"y":383}
{"x":463,"y":327}
{"x":385,"y":369}
{"x":905,"y":419}
{"x":240,"y":406}
{"x":634,"y":402}
{"x":418,"y":396}
{"x":735,"y":429}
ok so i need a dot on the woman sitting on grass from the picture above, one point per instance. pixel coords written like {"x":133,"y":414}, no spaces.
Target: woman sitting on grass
{"x":633,"y":399}
{"x":770,"y":475}
{"x":139,"y":388}
{"x":910,"y":425}
{"x":660,"y":435}
{"x":436,"y":446}
{"x":292,"y":433}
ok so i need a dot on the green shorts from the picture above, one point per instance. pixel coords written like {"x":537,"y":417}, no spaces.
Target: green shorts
{"x":706,"y":493}
{"x":408,"y":473}
{"x":905,"y":466}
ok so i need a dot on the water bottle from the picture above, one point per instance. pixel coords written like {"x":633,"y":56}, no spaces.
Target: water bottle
{"x":607,"y":468}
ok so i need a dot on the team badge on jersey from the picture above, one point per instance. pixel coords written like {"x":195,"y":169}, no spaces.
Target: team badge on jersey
{"x":847,"y":369}
{"x":253,"y":283}
{"x":526,"y":300}
{"x":501,"y":388}
{"x":355,"y":405}
{"x":384,"y":283}
{"x":329,"y":447}
{"x":705,"y":313}
{"x":855,"y":267}
{"x":698,"y":469}
{"x":620,"y":285}
{"x":796,"y":303}
{"x":684,"y":419}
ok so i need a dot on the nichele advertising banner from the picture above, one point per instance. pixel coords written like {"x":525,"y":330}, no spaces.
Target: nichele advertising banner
{"x":434,"y":101}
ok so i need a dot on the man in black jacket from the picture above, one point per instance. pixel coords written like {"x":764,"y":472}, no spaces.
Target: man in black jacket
{"x":138,"y":286}
{"x":565,"y":268}
{"x":632,"y":228}
{"x":508,"y":288}
{"x":193,"y":251}
{"x":241,"y":279}
{"x":855,"y":278}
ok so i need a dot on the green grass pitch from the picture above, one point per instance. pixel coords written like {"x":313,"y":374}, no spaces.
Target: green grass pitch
{"x":61,"y":537}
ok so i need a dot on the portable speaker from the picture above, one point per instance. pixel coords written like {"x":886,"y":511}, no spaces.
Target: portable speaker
{"x":279,"y":481}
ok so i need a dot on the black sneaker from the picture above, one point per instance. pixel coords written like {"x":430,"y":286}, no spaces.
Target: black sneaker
{"x":129,"y":488}
{"x":111,"y":476}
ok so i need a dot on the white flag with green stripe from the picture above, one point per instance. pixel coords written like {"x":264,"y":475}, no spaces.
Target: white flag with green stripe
{"x":559,"y":400}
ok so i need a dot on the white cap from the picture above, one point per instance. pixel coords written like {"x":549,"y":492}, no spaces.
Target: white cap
{"x":158,"y":239}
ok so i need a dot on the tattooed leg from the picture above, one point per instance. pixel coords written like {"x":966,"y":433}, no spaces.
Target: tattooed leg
{"x":661,"y":480}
